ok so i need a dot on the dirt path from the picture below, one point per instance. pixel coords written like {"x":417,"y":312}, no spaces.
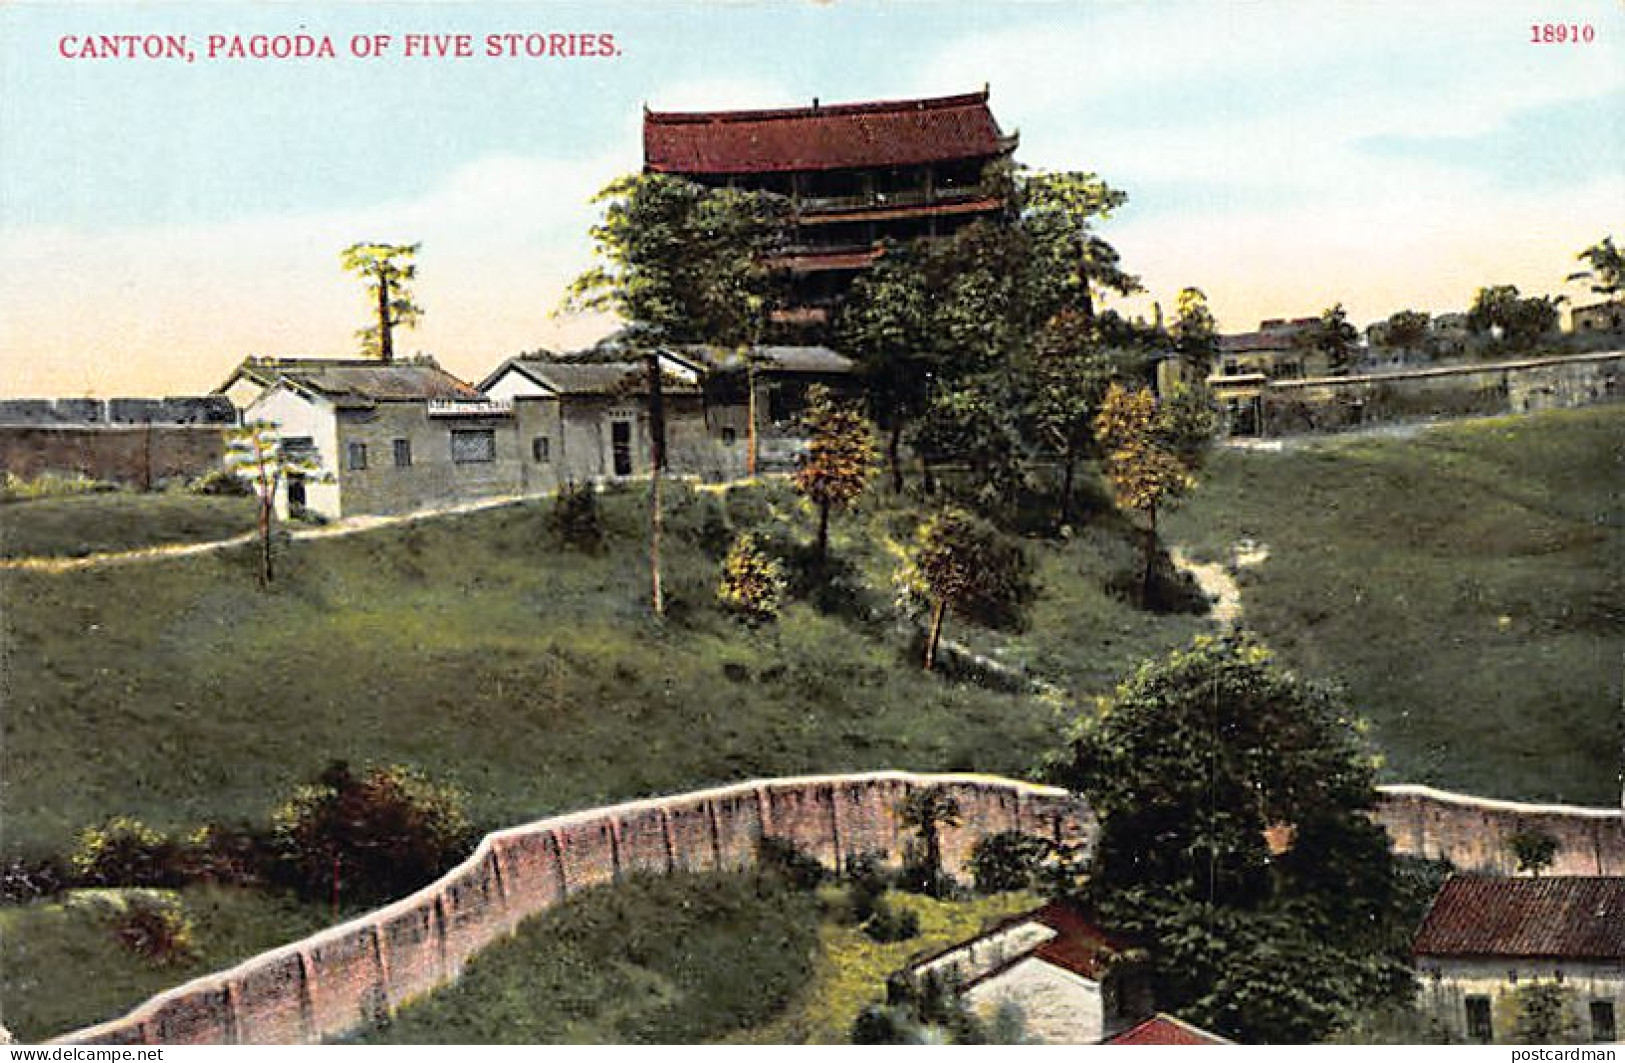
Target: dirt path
{"x":1218,"y":581}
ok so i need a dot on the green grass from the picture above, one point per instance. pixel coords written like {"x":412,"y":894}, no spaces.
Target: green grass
{"x":653,"y":960}
{"x":1466,"y":586}
{"x":63,"y":968}
{"x":75,"y":525}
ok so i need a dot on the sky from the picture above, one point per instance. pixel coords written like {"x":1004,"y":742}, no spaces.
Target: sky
{"x":161,"y":219}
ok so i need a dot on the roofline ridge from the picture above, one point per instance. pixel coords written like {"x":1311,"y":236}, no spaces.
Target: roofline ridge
{"x":817,"y":109}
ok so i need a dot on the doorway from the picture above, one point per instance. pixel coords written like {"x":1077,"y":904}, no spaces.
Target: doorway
{"x":620,"y":442}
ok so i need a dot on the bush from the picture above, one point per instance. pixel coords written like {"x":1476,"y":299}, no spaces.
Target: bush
{"x":369,"y":837}
{"x":888,"y":923}
{"x":783,"y":859}
{"x":23,"y":880}
{"x":1533,"y":849}
{"x":866,"y":884}
{"x":125,"y":852}
{"x":752,"y":580}
{"x":50,"y":485}
{"x":1007,"y":861}
{"x":220,"y":482}
{"x":577,"y":519}
{"x":155,"y":928}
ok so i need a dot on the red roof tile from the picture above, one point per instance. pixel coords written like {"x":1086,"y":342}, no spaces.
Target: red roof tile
{"x":1561,"y":918}
{"x":1079,"y":945}
{"x":1162,"y":1029}
{"x":842,"y":136}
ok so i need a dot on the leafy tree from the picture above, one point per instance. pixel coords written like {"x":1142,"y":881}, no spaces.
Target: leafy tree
{"x":1150,"y":458}
{"x":1544,"y":1014}
{"x":1069,"y":372}
{"x":254,"y":453}
{"x":375,"y":836}
{"x":1521,"y":320}
{"x":576,"y":517}
{"x":926,"y":811}
{"x":1195,"y":332}
{"x":960,"y":562}
{"x":1534,"y":850}
{"x":974,"y":422}
{"x":1607,"y":272}
{"x":680,"y":263}
{"x":1059,"y":211}
{"x":753,"y":580}
{"x":839,"y":459}
{"x":1409,"y":330}
{"x":1007,"y":861}
{"x":1336,"y":338}
{"x":1187,"y":764}
{"x":388,"y":270}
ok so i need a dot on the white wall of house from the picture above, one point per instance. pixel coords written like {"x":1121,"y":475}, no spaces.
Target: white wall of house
{"x":513,"y":384}
{"x":1445,"y":984}
{"x":1057,"y":1006}
{"x":297,"y":415}
{"x":976,"y":958}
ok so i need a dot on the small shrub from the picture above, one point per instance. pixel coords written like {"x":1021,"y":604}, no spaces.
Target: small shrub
{"x":577,"y":519}
{"x":23,"y":880}
{"x":126,"y":852}
{"x":1534,"y":850}
{"x":783,"y":859}
{"x":888,"y":923}
{"x":220,"y":482}
{"x":50,"y":485}
{"x":155,"y":928}
{"x":866,"y":884}
{"x":1007,"y":861}
{"x":886,"y":1024}
{"x":752,"y":580}
{"x":372,"y":836}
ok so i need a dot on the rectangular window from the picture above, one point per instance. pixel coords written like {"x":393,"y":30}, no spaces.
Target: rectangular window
{"x":473,"y":446}
{"x":355,"y":456}
{"x":1479,"y":1027}
{"x":540,"y":449}
{"x":1602,"y":1021}
{"x":403,"y":453}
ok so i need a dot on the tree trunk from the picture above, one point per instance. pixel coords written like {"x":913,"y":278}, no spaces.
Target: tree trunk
{"x":823,"y":530}
{"x":267,"y":504}
{"x":894,"y":454}
{"x":1070,"y":468}
{"x":386,"y":339}
{"x":933,"y":636}
{"x":750,"y":412}
{"x":657,"y":461}
{"x":1150,"y":556}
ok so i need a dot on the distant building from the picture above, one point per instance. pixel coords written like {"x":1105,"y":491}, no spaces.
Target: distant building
{"x":1054,"y":964}
{"x":1486,"y":938}
{"x":1598,"y":317}
{"x":1161,"y":1029}
{"x":856,"y":174}
{"x":1279,"y":348}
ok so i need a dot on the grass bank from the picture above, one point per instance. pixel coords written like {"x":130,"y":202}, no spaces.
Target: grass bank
{"x":103,"y":522}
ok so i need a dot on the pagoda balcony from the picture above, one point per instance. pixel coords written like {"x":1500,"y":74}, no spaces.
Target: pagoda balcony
{"x":913,"y":197}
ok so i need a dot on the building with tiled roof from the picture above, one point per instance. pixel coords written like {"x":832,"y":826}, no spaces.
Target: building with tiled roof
{"x":1162,"y":1029}
{"x":857,"y":174}
{"x":1485,"y":940}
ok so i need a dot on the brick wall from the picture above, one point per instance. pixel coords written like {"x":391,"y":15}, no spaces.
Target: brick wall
{"x":344,"y":977}
{"x":140,"y":455}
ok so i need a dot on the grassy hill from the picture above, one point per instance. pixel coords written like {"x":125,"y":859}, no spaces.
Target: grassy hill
{"x":1467,"y":586}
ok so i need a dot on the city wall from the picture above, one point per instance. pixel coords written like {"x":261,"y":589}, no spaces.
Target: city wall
{"x":343,"y":978}
{"x":143,"y":455}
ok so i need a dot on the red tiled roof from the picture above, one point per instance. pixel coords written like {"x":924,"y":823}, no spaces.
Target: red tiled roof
{"x":1163,"y":1029}
{"x":1562,"y":918}
{"x":837,"y":137}
{"x":1079,"y":945}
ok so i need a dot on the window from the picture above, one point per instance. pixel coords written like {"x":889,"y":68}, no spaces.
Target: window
{"x":729,"y":435}
{"x":473,"y":446}
{"x":403,"y":453}
{"x":539,"y":449}
{"x":355,"y":456}
{"x":1479,"y":1027}
{"x":1602,"y":1021}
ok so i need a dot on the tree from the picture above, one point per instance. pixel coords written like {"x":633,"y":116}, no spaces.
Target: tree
{"x":1336,"y":338}
{"x":1195,"y":332}
{"x":1409,"y":330}
{"x":1069,"y":372}
{"x":254,"y":453}
{"x":961,"y":563}
{"x":1151,"y":457}
{"x":1187,"y":765}
{"x":680,"y":263}
{"x":1533,"y":849}
{"x":388,"y":270}
{"x":975,"y":422}
{"x":1607,"y":272}
{"x":839,"y":459}
{"x":1544,"y":1013}
{"x":926,"y":811}
{"x":753,"y":580}
{"x":1520,"y":320}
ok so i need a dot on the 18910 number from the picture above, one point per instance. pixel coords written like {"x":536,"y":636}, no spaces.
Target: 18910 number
{"x":1562,"y":33}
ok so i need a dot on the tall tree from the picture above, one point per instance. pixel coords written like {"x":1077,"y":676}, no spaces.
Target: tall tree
{"x":961,"y":563}
{"x":680,"y":263}
{"x":254,"y":453}
{"x":1520,"y":320}
{"x":1235,"y":839}
{"x":839,"y":459}
{"x":1069,"y":372}
{"x":1336,"y":338}
{"x":1195,"y":332}
{"x":927,"y":811}
{"x":1607,"y":272}
{"x":1409,"y":330}
{"x":388,"y":270}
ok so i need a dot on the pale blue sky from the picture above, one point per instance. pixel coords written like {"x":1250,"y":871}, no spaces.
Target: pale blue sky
{"x":161,"y":220}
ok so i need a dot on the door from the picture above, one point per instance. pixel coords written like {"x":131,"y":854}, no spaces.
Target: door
{"x":296,"y":492}
{"x":620,"y":442}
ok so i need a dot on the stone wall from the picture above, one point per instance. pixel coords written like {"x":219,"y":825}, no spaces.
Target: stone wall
{"x":347,"y":976}
{"x":337,"y":980}
{"x":144,"y":455}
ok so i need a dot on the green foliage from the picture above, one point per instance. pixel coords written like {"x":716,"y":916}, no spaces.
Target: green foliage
{"x":1007,"y":861}
{"x":1607,"y":272}
{"x":1533,"y":849}
{"x":1521,"y":320}
{"x":838,"y":461}
{"x":123,"y":851}
{"x":220,"y":482}
{"x":75,"y":525}
{"x":963,"y":563}
{"x":388,"y":270}
{"x":1545,"y":1013}
{"x":1187,"y":765}
{"x":156,"y":928}
{"x":784,"y":860}
{"x":973,"y":423}
{"x":753,"y":582}
{"x":14,"y":488}
{"x":926,"y":811}
{"x":373,"y":836}
{"x":1195,"y":332}
{"x":888,"y":924}
{"x":1336,"y":338}
{"x":576,"y":519}
{"x":866,"y":883}
{"x":1409,"y":329}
